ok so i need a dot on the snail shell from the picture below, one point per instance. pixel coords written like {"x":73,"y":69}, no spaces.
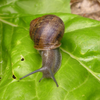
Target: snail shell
{"x":47,"y":32}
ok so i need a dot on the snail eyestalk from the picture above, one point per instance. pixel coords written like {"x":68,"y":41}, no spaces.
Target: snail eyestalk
{"x":52,"y":76}
{"x":39,"y":70}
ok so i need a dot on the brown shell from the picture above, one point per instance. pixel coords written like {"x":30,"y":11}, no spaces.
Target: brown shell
{"x":46,"y":32}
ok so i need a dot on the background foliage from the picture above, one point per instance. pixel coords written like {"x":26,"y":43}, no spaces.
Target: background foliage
{"x":79,"y":75}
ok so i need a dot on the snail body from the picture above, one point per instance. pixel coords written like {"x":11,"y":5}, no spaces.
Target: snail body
{"x":47,"y":32}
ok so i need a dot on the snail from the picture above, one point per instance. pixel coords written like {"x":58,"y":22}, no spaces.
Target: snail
{"x":47,"y":32}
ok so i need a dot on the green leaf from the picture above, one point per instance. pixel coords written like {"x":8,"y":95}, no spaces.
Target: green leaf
{"x":33,"y":7}
{"x":79,"y":74}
